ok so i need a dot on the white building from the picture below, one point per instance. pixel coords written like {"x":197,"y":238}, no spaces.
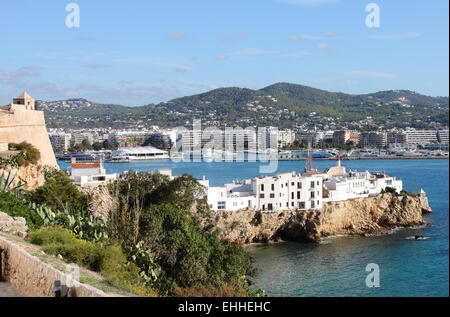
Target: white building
{"x":423,"y":137}
{"x":139,"y":153}
{"x":342,"y":185}
{"x":89,"y":174}
{"x":286,"y":137}
{"x":269,"y":193}
{"x":60,"y":141}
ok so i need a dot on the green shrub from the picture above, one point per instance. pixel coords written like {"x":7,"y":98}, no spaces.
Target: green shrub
{"x":390,"y":190}
{"x":59,"y":192}
{"x":52,"y":235}
{"x":28,"y":154}
{"x":109,"y":260}
{"x":188,"y":256}
{"x":16,"y":207}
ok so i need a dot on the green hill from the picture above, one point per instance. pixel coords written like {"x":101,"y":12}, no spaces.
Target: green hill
{"x":281,"y":104}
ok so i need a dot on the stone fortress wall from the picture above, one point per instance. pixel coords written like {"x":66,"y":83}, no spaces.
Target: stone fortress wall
{"x":20,"y":122}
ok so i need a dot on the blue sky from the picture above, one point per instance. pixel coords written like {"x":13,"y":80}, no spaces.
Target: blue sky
{"x":137,"y":52}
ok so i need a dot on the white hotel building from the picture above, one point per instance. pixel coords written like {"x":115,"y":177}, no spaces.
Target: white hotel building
{"x":269,"y":193}
{"x":307,"y":191}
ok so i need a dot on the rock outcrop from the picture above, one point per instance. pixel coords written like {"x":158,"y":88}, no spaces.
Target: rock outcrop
{"x":13,"y":225}
{"x":362,"y":216}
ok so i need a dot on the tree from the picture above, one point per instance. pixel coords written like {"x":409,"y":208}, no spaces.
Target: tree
{"x":59,"y":192}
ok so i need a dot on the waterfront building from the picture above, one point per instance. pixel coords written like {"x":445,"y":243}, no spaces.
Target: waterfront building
{"x":89,"y":174}
{"x":160,"y":140}
{"x":60,"y":141}
{"x":342,"y":185}
{"x":79,"y":137}
{"x":285,"y":137}
{"x":346,"y":137}
{"x":269,"y":193}
{"x":396,"y":137}
{"x":423,"y":137}
{"x":126,"y":154}
{"x":373,"y":138}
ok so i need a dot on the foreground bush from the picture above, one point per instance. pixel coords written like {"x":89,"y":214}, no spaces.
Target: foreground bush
{"x":191,"y":258}
{"x":109,"y":260}
{"x":59,"y":192}
{"x":157,"y":211}
{"x":17,"y":207}
{"x":27,"y":155}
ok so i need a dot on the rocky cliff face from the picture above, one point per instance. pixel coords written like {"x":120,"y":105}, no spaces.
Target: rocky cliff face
{"x":363,"y":216}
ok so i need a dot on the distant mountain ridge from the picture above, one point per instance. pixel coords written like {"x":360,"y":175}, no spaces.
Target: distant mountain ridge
{"x":280,"y":104}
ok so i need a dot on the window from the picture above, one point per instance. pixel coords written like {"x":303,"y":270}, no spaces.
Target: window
{"x":269,"y":206}
{"x":272,"y":195}
{"x":292,"y":204}
{"x":272,"y":187}
{"x":317,"y":183}
{"x":221,"y":205}
{"x":234,"y":204}
{"x":299,"y":185}
{"x":292,"y":195}
{"x":313,"y":194}
{"x":312,"y":184}
{"x":261,"y":195}
{"x":249,"y":203}
{"x":298,"y":195}
{"x":301,"y":205}
{"x":262,"y":187}
{"x":313,"y":205}
{"x":292,"y":184}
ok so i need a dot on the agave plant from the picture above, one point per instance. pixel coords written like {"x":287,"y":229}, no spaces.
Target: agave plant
{"x":8,"y":183}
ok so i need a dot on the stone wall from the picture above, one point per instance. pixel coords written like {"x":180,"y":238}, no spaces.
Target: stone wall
{"x":32,"y":277}
{"x":27,"y":125}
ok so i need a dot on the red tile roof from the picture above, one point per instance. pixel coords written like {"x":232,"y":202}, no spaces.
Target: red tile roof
{"x":85,"y":165}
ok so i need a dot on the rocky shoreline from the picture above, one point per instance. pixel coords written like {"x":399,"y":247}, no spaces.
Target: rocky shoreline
{"x":362,"y":216}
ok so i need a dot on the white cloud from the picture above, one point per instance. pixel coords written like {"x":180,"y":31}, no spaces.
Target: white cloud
{"x":156,"y":62}
{"x":322,"y":46}
{"x":96,"y":66}
{"x":222,"y":57}
{"x":299,"y":54}
{"x":178,"y":35}
{"x":370,"y":74}
{"x":308,"y":2}
{"x":251,"y":51}
{"x":396,"y":36}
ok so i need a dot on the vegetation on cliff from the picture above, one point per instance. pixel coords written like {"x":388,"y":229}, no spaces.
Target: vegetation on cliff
{"x":149,"y":242}
{"x":24,"y":155}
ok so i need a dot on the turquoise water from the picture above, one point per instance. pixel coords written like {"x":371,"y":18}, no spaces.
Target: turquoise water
{"x":336,"y":267}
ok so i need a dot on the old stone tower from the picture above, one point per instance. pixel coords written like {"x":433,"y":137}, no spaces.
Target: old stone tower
{"x":26,"y":100}
{"x":20,"y":121}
